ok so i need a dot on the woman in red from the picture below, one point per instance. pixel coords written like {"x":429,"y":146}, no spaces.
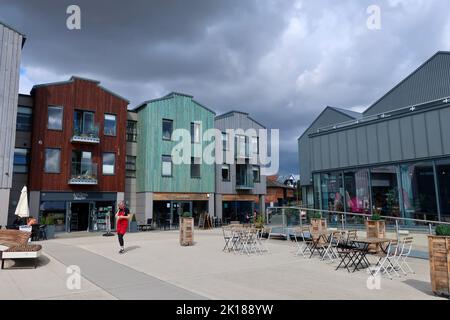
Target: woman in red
{"x":122,"y":218}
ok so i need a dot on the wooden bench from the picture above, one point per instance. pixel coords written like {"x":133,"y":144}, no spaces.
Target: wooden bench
{"x":14,"y":245}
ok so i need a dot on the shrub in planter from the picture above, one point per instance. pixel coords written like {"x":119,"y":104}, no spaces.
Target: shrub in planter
{"x":439,"y":250}
{"x":49,"y":221}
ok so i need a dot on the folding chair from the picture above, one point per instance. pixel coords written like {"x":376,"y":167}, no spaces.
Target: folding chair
{"x":403,"y":254}
{"x":229,"y":237}
{"x":333,"y":242}
{"x":304,"y":247}
{"x":386,"y":263}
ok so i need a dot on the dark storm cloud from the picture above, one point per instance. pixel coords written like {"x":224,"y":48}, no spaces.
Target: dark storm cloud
{"x":282,"y":61}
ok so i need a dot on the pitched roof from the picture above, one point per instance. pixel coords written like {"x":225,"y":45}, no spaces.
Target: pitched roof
{"x":350,"y":113}
{"x":276,"y":184}
{"x":24,"y":37}
{"x":233,"y":112}
{"x":170,"y":96}
{"x":430,"y":81}
{"x":72,"y":79}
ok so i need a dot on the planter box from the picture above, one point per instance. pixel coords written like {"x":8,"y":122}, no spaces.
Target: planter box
{"x":187,"y":231}
{"x":375,"y":229}
{"x":439,"y":248}
{"x":318,"y":224}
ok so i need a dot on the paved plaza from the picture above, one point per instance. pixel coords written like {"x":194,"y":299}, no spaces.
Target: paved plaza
{"x":155,"y":266}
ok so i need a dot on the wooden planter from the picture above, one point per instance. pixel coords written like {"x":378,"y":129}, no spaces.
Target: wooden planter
{"x":439,"y":248}
{"x":318,"y":224}
{"x":187,"y":231}
{"x":375,"y":229}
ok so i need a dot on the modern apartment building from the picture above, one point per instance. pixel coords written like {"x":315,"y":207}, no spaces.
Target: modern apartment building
{"x":166,"y":189}
{"x":240,"y":187}
{"x":78,"y":153}
{"x":11,"y":44}
{"x":394,"y":158}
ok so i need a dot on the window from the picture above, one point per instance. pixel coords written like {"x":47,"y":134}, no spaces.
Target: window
{"x":110,"y":125}
{"x":195,"y":167}
{"x":224,"y":141}
{"x":418,"y":191}
{"x":195,"y":132}
{"x":167,"y":128}
{"x":82,"y":166}
{"x":131,"y":166}
{"x":357,"y":193}
{"x":332,"y":191}
{"x":225,"y":172}
{"x":131,"y":131}
{"x":55,"y":117}
{"x":109,"y":161}
{"x":24,"y":119}
{"x":255,"y":145}
{"x":385,"y":197}
{"x":443,"y":179}
{"x":83,"y":123}
{"x":241,"y":146}
{"x":166,"y":166}
{"x":21,"y":160}
{"x":52,"y":160}
{"x":256,"y":174}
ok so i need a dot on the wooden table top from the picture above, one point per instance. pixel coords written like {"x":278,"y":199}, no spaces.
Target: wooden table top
{"x":373,"y":240}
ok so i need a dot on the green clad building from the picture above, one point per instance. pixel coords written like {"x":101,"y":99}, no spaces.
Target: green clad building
{"x":165,"y":189}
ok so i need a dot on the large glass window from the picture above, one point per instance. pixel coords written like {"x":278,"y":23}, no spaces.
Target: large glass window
{"x":132,"y":131}
{"x":241,"y":146}
{"x":317,"y":189}
{"x":82,"y":166}
{"x":110,"y":125}
{"x":443,"y":175}
{"x":167,"y":128}
{"x":418,"y":191}
{"x":195,"y":132}
{"x":21,"y":160}
{"x":332,"y":191}
{"x":52,"y":160}
{"x":131,"y":166}
{"x":55,"y":118}
{"x":357,"y":193}
{"x":24,"y":119}
{"x":109,"y":161}
{"x":385,"y":198}
{"x":256,"y":174}
{"x":224,"y":141}
{"x":166,"y":166}
{"x":195,"y":167}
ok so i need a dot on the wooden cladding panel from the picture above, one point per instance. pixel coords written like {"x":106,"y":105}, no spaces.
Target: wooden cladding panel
{"x":77,"y":95}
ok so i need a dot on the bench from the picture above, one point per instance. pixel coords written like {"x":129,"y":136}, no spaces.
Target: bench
{"x":14,"y":245}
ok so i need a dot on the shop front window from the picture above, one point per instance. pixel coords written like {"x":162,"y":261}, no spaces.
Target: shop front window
{"x":317,"y":197}
{"x":443,"y":176}
{"x":385,"y":198}
{"x":332,"y":191}
{"x":418,"y":191}
{"x":357,"y":193}
{"x":53,"y":212}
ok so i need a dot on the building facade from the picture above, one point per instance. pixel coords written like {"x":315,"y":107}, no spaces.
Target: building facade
{"x":78,"y":154}
{"x":11,"y":43}
{"x":279,"y":194}
{"x":165,"y":189}
{"x":394,"y":158}
{"x":131,"y":156}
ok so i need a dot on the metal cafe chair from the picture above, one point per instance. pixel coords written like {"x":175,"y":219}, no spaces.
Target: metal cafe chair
{"x":403,"y":253}
{"x":386,"y":262}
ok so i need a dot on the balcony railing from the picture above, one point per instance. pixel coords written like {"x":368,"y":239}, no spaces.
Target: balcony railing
{"x":86,"y":135}
{"x":83,"y":173}
{"x":244,"y":177}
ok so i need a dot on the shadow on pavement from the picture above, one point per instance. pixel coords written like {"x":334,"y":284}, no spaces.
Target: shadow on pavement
{"x":423,"y":286}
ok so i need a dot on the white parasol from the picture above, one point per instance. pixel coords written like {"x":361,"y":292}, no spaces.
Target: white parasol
{"x":22,"y":206}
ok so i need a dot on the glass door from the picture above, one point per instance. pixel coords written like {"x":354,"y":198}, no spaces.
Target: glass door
{"x":178,"y":208}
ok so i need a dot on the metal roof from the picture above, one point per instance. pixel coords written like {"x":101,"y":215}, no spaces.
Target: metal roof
{"x":24,"y":37}
{"x":232,"y":112}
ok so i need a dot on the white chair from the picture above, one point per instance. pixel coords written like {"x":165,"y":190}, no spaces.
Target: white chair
{"x":387,"y":263}
{"x":404,"y":252}
{"x":330,"y":252}
{"x":304,"y":247}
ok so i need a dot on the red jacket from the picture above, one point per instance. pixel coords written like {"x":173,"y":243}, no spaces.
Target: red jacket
{"x":122,"y":224}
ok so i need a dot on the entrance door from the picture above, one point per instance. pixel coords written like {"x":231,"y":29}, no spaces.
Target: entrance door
{"x":80,"y":213}
{"x":178,"y":208}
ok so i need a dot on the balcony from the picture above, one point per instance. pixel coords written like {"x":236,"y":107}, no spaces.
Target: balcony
{"x":83,"y":173}
{"x":86,"y":134}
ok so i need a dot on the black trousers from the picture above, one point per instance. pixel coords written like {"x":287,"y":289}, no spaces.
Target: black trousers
{"x":120,"y":236}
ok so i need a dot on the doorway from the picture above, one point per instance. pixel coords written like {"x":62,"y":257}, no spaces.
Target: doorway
{"x":79,"y":217}
{"x":178,"y":208}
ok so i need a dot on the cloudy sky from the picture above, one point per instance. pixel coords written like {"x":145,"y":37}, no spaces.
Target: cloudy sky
{"x":282,"y":61}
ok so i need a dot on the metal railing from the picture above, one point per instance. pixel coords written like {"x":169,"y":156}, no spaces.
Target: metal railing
{"x":281,"y":218}
{"x":86,"y":133}
{"x":83,"y":173}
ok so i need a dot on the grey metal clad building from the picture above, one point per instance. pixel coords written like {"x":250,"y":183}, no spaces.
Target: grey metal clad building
{"x":11,"y":43}
{"x":393,"y":159}
{"x":240,"y":187}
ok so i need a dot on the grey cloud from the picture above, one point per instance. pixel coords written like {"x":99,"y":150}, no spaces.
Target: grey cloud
{"x":282,"y":61}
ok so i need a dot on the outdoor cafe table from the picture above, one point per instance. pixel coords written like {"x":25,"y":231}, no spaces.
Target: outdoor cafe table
{"x":320,"y":237}
{"x":357,"y":255}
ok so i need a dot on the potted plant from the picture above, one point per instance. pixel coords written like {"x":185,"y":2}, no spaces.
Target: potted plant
{"x":317,"y":222}
{"x":439,"y":250}
{"x":375,"y":228}
{"x":49,"y":222}
{"x":259,"y":223}
{"x":133,"y":224}
{"x":187,"y":229}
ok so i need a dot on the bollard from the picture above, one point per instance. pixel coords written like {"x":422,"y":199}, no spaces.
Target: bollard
{"x":396,"y":228}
